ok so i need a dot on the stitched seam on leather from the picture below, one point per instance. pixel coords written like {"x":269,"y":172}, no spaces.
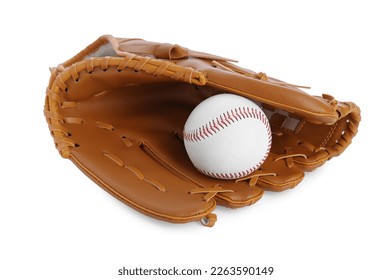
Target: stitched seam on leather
{"x":329,"y":134}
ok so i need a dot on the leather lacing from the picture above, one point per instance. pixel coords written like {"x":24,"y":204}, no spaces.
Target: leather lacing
{"x":210,"y":219}
{"x":134,"y":62}
{"x":56,"y":124}
{"x":288,"y":157}
{"x":60,"y":75}
{"x":209,"y":192}
{"x":254,"y":177}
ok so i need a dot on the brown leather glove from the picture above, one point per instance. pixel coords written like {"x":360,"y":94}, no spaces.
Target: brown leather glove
{"x":117,"y":110}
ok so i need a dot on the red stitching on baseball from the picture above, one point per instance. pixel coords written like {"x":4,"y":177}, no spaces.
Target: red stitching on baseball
{"x":234,"y":175}
{"x":223,"y":121}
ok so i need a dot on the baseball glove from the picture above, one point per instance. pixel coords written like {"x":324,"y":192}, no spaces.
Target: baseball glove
{"x":117,"y":110}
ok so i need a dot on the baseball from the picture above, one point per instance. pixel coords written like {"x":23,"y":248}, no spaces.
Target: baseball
{"x":227,"y":136}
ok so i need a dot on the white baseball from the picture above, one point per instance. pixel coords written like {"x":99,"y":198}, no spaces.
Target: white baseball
{"x":227,"y":136}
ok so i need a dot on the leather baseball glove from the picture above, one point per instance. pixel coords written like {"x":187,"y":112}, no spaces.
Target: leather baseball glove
{"x":117,"y":110}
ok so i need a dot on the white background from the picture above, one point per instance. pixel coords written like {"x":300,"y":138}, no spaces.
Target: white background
{"x":57,"y":224}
